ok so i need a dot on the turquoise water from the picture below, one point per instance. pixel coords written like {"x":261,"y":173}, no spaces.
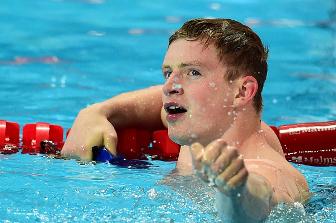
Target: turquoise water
{"x":58,"y":56}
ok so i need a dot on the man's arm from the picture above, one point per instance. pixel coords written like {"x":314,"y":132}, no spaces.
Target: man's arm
{"x":247,"y":189}
{"x":268,"y":184}
{"x":96,"y":125}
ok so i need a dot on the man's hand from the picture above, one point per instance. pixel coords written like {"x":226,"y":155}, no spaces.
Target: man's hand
{"x":91,"y":128}
{"x":220,"y":165}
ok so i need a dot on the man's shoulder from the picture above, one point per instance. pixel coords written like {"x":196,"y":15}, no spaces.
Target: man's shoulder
{"x":271,"y":138}
{"x":280,"y":173}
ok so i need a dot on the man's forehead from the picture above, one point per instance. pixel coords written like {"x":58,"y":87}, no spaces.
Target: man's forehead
{"x":193,"y":52}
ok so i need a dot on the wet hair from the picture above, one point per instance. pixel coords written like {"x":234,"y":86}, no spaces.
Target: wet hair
{"x":239,"y":48}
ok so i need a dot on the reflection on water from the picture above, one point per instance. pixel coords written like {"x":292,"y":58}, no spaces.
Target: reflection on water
{"x":320,"y":208}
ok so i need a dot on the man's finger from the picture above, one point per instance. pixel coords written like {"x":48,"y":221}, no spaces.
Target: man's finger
{"x":85,"y":150}
{"x":110,"y":142}
{"x":234,"y":167}
{"x":238,"y":179}
{"x":224,"y":160}
{"x":212,"y":151}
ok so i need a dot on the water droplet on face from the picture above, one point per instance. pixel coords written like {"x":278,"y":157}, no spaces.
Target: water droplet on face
{"x":177,"y":86}
{"x":229,"y":113}
{"x":193,"y":135}
{"x":212,"y":84}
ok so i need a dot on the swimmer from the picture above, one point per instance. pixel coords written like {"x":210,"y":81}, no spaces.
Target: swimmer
{"x":211,"y":102}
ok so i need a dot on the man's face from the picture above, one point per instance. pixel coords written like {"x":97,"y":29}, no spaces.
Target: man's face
{"x":196,"y":96}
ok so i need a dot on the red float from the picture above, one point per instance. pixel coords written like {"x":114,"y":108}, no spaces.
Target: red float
{"x":165,"y":147}
{"x":139,"y":144}
{"x":42,"y":137}
{"x":9,"y":137}
{"x":133,"y":142}
{"x":309,"y":143}
{"x":304,"y":143}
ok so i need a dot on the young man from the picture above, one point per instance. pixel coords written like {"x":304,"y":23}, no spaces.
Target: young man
{"x":211,"y":103}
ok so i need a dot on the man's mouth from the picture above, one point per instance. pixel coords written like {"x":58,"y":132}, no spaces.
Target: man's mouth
{"x":174,"y":108}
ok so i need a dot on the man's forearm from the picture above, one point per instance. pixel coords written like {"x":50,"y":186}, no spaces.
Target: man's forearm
{"x":140,"y":108}
{"x":252,"y":204}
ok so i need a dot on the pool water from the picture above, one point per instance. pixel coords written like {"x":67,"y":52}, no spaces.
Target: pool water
{"x":58,"y":56}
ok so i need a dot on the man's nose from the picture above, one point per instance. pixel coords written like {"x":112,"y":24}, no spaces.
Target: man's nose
{"x":173,"y":85}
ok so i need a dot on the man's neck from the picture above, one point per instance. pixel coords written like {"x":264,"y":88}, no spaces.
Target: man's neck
{"x":244,"y":129}
{"x":243,"y":132}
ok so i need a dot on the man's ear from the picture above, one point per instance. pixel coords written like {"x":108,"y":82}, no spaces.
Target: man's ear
{"x":247,"y":89}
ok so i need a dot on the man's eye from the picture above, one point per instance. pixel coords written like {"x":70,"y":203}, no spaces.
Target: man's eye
{"x":194,"y":73}
{"x":166,"y":74}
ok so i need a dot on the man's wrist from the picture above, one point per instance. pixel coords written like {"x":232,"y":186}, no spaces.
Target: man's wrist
{"x":106,"y":108}
{"x":256,"y":197}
